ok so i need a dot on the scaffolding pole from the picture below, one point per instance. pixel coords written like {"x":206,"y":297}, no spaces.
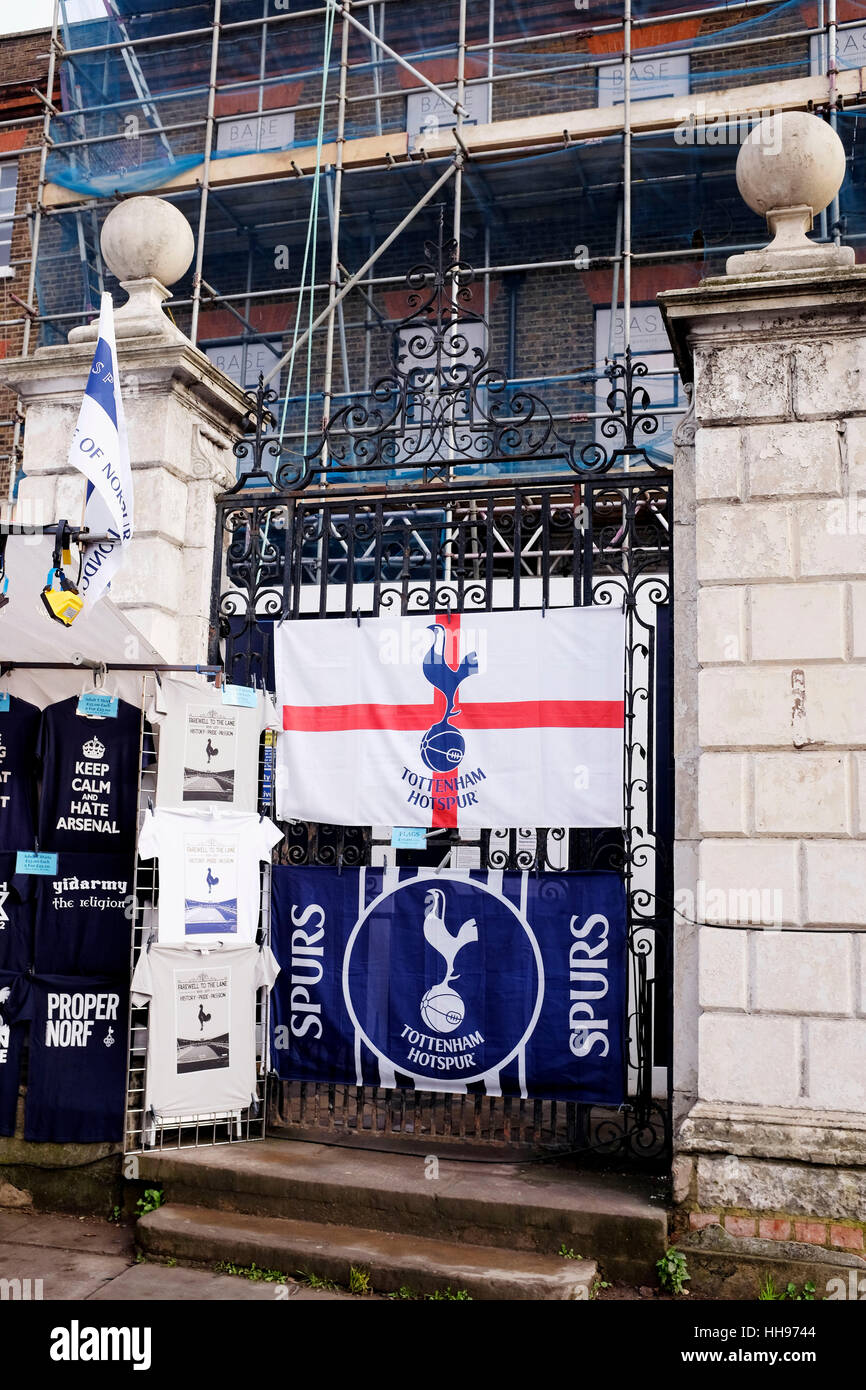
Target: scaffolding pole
{"x":832,"y":71}
{"x":456,"y":233}
{"x":377,"y":81}
{"x":205,"y":174}
{"x":334,"y":198}
{"x":380,"y":43}
{"x":626,"y":180}
{"x":30,"y":308}
{"x":359,"y":274}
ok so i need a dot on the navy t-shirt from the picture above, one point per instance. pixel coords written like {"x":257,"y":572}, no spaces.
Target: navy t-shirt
{"x":89,"y":798}
{"x":17,"y":902}
{"x":19,"y":741}
{"x":11,"y":1038}
{"x":76,"y":1081}
{"x":84,"y":916}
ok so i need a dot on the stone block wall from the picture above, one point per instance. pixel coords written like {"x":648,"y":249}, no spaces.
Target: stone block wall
{"x":777,"y":828}
{"x":780,"y":466}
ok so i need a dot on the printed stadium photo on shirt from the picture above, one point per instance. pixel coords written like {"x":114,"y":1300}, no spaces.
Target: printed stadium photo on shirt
{"x":203,"y":1006}
{"x":210,"y":899}
{"x":209,"y":755}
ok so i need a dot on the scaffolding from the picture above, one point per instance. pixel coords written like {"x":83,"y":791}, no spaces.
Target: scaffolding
{"x":585,"y":154}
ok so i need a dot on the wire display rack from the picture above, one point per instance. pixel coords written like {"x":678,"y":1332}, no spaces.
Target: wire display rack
{"x":144,"y":1131}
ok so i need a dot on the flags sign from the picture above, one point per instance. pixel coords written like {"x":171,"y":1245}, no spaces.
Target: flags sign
{"x":495,"y":983}
{"x":476,"y":719}
{"x":100,"y":451}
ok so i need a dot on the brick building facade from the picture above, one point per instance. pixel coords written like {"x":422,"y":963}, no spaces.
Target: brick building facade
{"x":23,"y":67}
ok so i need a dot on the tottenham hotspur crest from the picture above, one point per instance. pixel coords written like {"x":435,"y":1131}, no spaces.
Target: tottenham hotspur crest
{"x":443,"y":746}
{"x":423,"y":962}
{"x":442,"y":1008}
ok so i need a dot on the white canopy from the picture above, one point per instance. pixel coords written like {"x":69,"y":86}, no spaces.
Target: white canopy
{"x":100,"y":633}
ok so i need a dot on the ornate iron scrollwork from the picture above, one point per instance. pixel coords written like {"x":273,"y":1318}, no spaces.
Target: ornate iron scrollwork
{"x":591,"y":515}
{"x":443,"y":413}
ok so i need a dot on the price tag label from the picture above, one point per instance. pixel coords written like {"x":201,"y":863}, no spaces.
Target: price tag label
{"x":4,"y":701}
{"x":244,"y":695}
{"x":104,"y":706}
{"x":408,"y":837}
{"x":28,"y":862}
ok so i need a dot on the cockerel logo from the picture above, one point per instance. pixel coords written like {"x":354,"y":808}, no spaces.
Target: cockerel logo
{"x":443,"y":746}
{"x":442,"y":1009}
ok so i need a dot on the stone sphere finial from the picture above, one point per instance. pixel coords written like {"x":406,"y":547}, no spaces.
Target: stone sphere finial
{"x":147,"y":238}
{"x":790,"y":167}
{"x":790,"y":160}
{"x":148,"y":244}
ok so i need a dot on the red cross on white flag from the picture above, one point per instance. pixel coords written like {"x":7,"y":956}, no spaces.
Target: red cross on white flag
{"x":470,"y":720}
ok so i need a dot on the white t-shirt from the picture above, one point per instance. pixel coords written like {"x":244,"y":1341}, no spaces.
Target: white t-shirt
{"x":201,"y":1048}
{"x":208,"y":750}
{"x":209,"y":876}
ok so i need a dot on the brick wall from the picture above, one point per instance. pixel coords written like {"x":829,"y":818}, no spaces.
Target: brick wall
{"x":684,"y":199}
{"x":23,"y":64}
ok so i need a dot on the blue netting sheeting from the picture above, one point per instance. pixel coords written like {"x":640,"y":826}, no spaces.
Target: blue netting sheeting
{"x":852,"y":197}
{"x":134,"y":116}
{"x":67,"y":173}
{"x":115,"y":178}
{"x":685,"y":195}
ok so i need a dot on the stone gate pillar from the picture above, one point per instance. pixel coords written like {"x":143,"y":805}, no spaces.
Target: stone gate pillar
{"x":771,"y":633}
{"x":183,"y":415}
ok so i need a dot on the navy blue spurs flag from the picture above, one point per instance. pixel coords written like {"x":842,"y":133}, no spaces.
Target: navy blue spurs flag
{"x":489,"y":982}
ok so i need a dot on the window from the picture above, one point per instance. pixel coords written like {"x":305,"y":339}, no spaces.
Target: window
{"x":8,"y":189}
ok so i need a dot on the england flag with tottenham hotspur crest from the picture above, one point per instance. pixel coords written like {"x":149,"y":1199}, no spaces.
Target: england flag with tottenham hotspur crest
{"x":475,"y":719}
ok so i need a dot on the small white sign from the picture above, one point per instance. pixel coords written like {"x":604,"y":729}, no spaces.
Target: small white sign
{"x":426,"y":113}
{"x":647,"y":331}
{"x":258,"y":131}
{"x":649,"y":344}
{"x":408,"y":837}
{"x":230,"y":359}
{"x":850,"y":50}
{"x":650,"y":77}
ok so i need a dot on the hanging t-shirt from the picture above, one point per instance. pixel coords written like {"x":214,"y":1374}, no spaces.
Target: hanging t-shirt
{"x":76,"y":1082}
{"x":83,"y":920}
{"x":209,"y":876}
{"x":208,"y":750}
{"x":201,"y":1056}
{"x":19,"y":741}
{"x":11,"y":1039}
{"x":16,"y":916}
{"x":89,"y":796}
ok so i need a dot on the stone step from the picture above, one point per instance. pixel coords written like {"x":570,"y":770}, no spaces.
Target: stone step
{"x":531,"y":1206}
{"x":722,"y":1266}
{"x":197,"y":1235}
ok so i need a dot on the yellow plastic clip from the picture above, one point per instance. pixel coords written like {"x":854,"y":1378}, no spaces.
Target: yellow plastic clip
{"x":63,"y":603}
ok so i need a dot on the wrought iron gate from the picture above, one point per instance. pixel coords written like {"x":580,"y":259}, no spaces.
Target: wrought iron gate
{"x":590,"y":525}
